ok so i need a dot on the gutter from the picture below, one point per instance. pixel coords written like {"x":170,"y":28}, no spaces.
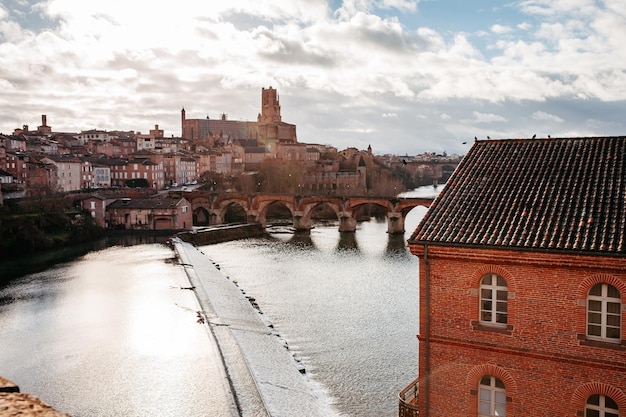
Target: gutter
{"x":427,"y":336}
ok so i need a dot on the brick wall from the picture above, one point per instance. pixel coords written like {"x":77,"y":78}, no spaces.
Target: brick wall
{"x":542,"y":355}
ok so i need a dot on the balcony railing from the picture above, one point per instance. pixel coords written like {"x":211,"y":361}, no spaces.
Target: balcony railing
{"x":407,"y":405}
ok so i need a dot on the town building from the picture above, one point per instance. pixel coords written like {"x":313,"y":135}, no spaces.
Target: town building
{"x":522,"y":283}
{"x":68,"y":172}
{"x":93,"y":135}
{"x":96,"y":205}
{"x":101,"y":175}
{"x":149,"y":214}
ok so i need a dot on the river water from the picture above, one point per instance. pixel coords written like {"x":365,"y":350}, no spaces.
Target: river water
{"x":113,"y":332}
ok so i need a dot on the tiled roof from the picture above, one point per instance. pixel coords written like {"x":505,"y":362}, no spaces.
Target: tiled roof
{"x":538,"y":194}
{"x":146,"y":203}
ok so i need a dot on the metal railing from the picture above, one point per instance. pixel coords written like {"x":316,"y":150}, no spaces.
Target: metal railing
{"x":407,"y":401}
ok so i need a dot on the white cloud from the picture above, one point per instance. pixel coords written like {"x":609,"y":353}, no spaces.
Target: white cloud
{"x":547,"y":117}
{"x":479,"y":117}
{"x":500,"y":29}
{"x":112,"y":64}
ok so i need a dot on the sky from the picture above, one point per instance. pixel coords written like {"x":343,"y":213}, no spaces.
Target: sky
{"x":402,"y":76}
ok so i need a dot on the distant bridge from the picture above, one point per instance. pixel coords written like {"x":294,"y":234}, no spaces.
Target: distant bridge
{"x":214,"y":207}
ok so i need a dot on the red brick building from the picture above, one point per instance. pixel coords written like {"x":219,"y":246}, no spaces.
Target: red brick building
{"x":522,"y":268}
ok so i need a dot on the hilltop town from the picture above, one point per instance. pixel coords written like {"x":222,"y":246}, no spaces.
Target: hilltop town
{"x":231,"y":154}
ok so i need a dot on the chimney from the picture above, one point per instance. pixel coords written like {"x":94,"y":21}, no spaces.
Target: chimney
{"x":43,"y":120}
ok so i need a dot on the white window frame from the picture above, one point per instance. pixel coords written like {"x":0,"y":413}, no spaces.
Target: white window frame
{"x":493,"y":290}
{"x":602,"y":409}
{"x":491,"y":396}
{"x":604,"y":314}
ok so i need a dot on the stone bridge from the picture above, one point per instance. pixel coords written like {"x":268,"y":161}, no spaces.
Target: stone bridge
{"x":214,"y":207}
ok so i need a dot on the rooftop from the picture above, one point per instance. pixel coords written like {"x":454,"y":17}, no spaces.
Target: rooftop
{"x":565,"y":194}
{"x":145,"y":203}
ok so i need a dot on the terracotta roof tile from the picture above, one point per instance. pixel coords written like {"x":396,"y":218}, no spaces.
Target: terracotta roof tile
{"x":547,"y":194}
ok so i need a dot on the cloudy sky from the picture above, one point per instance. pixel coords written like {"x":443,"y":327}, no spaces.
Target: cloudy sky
{"x":404,"y":76}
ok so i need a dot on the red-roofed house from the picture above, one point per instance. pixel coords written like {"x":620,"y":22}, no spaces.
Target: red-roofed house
{"x":522,"y":269}
{"x":149,"y":214}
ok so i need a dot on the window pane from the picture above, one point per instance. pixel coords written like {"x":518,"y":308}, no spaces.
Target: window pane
{"x":595,"y":318}
{"x":592,"y":413}
{"x":486,"y":380}
{"x":594,"y":305}
{"x":502,"y":295}
{"x":594,"y":399}
{"x":611,"y":415}
{"x":501,"y":306}
{"x":485,"y":395}
{"x":612,"y":292}
{"x":501,"y":282}
{"x":500,"y":410}
{"x":613,"y":308}
{"x":485,"y":316}
{"x":594,"y":330}
{"x":484,"y":408}
{"x":486,"y":280}
{"x":500,"y":397}
{"x":486,"y":305}
{"x":609,"y":403}
{"x":596,"y":290}
{"x":485,"y":294}
{"x":501,"y":318}
{"x":612,"y":320}
{"x":612,"y":333}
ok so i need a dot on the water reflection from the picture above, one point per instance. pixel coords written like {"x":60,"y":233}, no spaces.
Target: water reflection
{"x":40,"y":261}
{"x":347,"y":242}
{"x":110,"y":333}
{"x":396,"y":245}
{"x":302,"y":239}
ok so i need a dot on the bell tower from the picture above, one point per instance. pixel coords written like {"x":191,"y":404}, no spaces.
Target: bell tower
{"x":270,"y":106}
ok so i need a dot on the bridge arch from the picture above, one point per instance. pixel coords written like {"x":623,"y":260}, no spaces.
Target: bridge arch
{"x":234,"y":212}
{"x":201,"y":216}
{"x":303,"y":218}
{"x":266,"y":206}
{"x":227,"y":207}
{"x":254,"y":207}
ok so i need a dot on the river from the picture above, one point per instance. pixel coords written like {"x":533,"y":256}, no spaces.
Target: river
{"x":113,"y":332}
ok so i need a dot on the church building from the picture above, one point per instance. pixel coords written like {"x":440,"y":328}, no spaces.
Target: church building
{"x":269,"y":130}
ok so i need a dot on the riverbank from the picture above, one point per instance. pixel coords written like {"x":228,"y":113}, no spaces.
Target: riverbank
{"x":262,"y":375}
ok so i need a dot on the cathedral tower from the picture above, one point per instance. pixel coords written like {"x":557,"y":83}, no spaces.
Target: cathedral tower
{"x":270,"y":106}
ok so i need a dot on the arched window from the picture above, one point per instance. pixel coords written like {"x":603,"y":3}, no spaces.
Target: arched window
{"x":604,"y":313}
{"x":491,"y":397}
{"x":493,"y":300}
{"x":601,"y":406}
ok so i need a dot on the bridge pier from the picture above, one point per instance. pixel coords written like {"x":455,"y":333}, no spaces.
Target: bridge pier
{"x":215,"y":218}
{"x":301,"y":223}
{"x":347,"y":223}
{"x":395,"y":223}
{"x":254,"y":217}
